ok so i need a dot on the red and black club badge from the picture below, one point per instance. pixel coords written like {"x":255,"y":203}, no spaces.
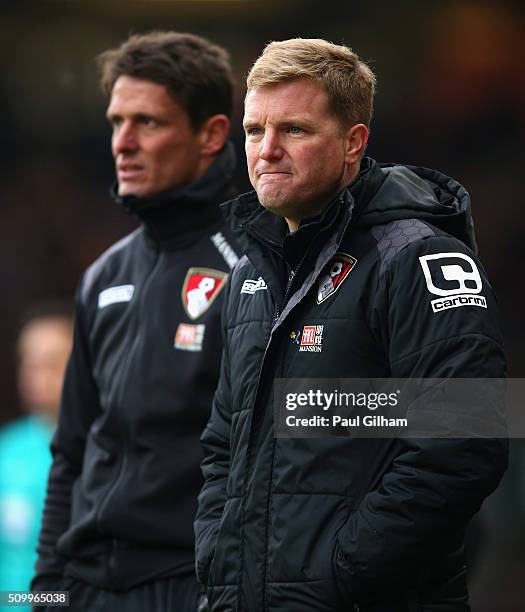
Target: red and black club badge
{"x":200,"y":288}
{"x":334,"y":274}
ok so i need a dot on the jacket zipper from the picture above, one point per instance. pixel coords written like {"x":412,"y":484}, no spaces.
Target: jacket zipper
{"x":278,"y":309}
{"x":123,"y":429}
{"x":289,"y":284}
{"x":277,"y":313}
{"x":291,"y":277}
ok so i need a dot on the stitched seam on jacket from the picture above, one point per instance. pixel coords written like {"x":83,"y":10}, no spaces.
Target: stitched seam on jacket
{"x":463,"y":335}
{"x":308,"y":493}
{"x":301,"y":581}
{"x":239,"y":323}
{"x":268,"y":508}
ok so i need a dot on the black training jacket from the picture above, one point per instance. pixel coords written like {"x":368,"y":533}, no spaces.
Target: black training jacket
{"x":123,"y":486}
{"x":312,"y":525}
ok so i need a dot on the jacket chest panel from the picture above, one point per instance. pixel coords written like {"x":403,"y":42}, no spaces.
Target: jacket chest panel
{"x":317,"y":347}
{"x":254,"y":300}
{"x":248,"y":341}
{"x":333,"y":338}
{"x":140,"y":344}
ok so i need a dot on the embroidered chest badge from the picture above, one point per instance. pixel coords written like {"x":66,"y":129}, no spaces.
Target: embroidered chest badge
{"x":334,"y":274}
{"x":189,"y":337}
{"x":200,"y":288}
{"x":309,"y":339}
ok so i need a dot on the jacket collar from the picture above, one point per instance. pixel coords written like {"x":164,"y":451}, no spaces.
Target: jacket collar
{"x":177,"y":214}
{"x":265,"y":239}
{"x":252,"y":223}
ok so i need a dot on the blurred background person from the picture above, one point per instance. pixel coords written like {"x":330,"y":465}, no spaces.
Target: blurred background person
{"x":43,"y":346}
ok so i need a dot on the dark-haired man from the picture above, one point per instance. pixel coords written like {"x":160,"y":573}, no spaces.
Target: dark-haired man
{"x":117,"y":528}
{"x":352,"y":270}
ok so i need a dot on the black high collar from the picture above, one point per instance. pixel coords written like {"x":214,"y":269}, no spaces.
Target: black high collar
{"x":177,"y":214}
{"x":248,"y":219}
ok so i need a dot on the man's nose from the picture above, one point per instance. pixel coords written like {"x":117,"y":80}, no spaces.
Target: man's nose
{"x":124,"y":139}
{"x":271,"y":147}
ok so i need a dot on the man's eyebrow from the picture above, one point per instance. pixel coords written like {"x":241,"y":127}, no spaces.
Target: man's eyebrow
{"x":297,"y":119}
{"x":292,"y":120}
{"x":134,"y":116}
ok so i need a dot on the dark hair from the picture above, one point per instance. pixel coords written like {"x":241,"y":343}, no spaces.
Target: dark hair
{"x":196,"y":73}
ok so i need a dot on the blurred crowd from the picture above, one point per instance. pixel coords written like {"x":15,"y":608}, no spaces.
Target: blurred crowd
{"x":451,"y":96}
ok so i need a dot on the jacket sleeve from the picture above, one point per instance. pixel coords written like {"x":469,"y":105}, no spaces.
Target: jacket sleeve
{"x":79,"y":407}
{"x":434,"y":485}
{"x":215,"y":467}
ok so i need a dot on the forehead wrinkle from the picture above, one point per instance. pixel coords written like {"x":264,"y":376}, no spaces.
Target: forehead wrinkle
{"x":285,"y":108}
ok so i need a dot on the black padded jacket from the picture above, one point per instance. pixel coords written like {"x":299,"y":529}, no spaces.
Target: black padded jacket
{"x":123,"y":485}
{"x":333,"y":523}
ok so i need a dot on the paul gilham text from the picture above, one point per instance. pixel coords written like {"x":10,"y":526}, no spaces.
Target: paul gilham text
{"x":338,"y":421}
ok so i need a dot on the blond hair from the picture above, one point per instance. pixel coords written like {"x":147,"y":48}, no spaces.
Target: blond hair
{"x":348,"y":82}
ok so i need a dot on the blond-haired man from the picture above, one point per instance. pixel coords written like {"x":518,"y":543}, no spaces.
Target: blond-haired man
{"x":333,"y":286}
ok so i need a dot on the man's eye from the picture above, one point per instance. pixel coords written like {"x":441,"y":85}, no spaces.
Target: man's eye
{"x":293,"y":129}
{"x":253,"y":131}
{"x":145,"y":120}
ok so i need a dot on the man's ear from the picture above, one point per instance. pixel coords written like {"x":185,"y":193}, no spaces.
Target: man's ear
{"x":356,"y":141}
{"x":213,"y":134}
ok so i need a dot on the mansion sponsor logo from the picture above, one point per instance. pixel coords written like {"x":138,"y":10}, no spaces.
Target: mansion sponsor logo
{"x":309,"y":339}
{"x":189,"y":337}
{"x":455,"y":278}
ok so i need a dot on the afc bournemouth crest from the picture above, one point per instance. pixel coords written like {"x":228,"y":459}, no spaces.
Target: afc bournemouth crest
{"x":334,"y":274}
{"x":201,"y":286}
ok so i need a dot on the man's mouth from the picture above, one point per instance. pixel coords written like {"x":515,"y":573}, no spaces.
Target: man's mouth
{"x":276,"y":174}
{"x":127,"y":172}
